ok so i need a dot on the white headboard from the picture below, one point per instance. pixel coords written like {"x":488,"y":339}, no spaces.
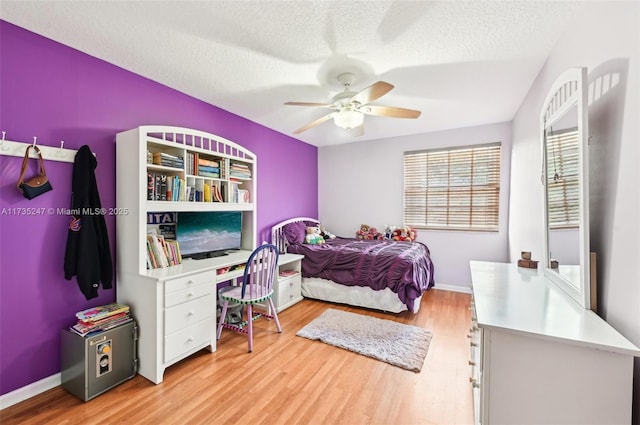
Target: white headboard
{"x":277,"y":232}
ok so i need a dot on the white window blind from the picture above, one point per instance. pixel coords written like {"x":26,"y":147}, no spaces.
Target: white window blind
{"x":457,"y":188}
{"x":563,"y":183}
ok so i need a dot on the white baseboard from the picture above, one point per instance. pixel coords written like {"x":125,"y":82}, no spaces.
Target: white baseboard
{"x":31,"y":390}
{"x":455,"y":288}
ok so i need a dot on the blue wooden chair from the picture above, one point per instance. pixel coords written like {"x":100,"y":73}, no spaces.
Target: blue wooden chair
{"x":257,"y":288}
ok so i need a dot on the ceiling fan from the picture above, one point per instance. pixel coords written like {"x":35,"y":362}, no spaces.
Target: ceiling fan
{"x":350,"y":107}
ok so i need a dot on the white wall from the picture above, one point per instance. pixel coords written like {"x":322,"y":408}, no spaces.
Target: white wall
{"x":605,"y":38}
{"x":362,"y":182}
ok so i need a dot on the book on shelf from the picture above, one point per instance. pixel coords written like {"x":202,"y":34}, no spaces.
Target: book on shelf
{"x":208,"y":162}
{"x":165,"y":250}
{"x":217,"y":194}
{"x":243,"y":196}
{"x":287,"y":273}
{"x":157,"y":251}
{"x":240,"y":171}
{"x":215,"y":171}
{"x":207,"y":193}
{"x":183,"y":191}
{"x":162,"y":251}
{"x":168,"y":160}
{"x":163,"y":188}
{"x":169,"y":192}
{"x":151,"y":186}
{"x":152,"y":263}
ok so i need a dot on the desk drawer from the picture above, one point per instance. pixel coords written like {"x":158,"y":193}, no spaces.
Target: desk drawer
{"x":189,"y":338}
{"x":185,"y":314}
{"x":189,"y":294}
{"x":190,"y":281}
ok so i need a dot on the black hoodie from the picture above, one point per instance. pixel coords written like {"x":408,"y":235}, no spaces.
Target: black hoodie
{"x":88,"y":254}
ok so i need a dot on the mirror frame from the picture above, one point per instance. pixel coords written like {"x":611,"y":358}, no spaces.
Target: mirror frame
{"x":569,"y":90}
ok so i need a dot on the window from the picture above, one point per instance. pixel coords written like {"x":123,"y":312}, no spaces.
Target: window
{"x":453,"y":189}
{"x":563,"y":188}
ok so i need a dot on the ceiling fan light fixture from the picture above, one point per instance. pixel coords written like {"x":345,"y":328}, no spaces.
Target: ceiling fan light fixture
{"x":349,"y":119}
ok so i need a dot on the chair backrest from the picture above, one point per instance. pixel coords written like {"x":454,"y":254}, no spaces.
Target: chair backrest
{"x":259,"y":272}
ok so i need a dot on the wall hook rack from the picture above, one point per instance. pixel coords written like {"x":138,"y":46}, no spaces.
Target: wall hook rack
{"x":50,"y":153}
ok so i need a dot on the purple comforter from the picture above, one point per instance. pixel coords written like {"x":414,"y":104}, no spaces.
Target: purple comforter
{"x":404,"y":267}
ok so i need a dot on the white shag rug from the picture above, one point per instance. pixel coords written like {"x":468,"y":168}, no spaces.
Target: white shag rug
{"x":398,"y":344}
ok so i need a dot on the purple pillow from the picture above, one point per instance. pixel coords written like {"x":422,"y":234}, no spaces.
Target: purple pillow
{"x":295,"y":232}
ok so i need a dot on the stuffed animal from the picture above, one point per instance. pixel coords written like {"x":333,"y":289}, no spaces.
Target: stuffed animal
{"x":313,"y":236}
{"x":363,"y":232}
{"x":374,"y":234}
{"x":404,"y":233}
{"x":368,"y":232}
{"x":326,"y":234}
{"x":388,"y":231}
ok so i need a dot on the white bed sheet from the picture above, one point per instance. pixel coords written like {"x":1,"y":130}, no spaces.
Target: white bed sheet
{"x":359,"y":296}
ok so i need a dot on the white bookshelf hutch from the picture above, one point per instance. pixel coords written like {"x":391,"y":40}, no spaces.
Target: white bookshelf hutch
{"x":175,"y":306}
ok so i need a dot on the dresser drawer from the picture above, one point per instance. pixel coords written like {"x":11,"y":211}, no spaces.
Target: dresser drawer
{"x":189,"y":281}
{"x":185,"y":314}
{"x":191,"y":293}
{"x":289,"y":290}
{"x":189,"y":338}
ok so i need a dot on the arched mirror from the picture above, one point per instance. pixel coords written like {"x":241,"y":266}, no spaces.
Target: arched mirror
{"x":564,"y":130}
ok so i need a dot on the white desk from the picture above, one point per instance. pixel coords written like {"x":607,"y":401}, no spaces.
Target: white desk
{"x":539,"y":358}
{"x":175,"y":308}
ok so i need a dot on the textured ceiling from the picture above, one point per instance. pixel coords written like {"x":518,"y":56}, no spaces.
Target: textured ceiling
{"x":460,"y":63}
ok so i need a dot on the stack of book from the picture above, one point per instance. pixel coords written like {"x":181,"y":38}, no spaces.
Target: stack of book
{"x":167,"y":160}
{"x":208,"y":168}
{"x":240,"y":170}
{"x":101,"y":318}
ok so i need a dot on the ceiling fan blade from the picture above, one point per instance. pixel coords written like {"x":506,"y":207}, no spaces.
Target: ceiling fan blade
{"x":320,"y":105}
{"x":389,"y":111}
{"x":373,"y":92}
{"x":314,"y":123}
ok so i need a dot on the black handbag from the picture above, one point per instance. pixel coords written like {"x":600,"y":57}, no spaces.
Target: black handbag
{"x":37,"y":185}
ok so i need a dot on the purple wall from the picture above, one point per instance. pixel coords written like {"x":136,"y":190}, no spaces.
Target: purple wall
{"x":57,"y":93}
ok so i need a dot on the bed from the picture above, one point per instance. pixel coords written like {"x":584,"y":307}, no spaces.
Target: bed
{"x":379,"y":274}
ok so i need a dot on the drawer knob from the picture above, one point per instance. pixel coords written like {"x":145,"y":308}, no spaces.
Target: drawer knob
{"x":474,"y":383}
{"x":472,"y":363}
{"x":473,"y":344}
{"x":189,"y":314}
{"x":190,"y":339}
{"x":190,"y":294}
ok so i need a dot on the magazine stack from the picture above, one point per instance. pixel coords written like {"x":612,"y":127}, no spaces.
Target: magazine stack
{"x":101,"y":318}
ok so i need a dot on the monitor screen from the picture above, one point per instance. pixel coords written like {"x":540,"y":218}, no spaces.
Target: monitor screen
{"x":208,"y":233}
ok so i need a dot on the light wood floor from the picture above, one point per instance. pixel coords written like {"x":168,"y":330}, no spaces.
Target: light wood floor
{"x":289,"y":380}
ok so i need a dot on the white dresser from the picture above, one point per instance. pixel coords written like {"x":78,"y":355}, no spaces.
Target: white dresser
{"x":537,"y":357}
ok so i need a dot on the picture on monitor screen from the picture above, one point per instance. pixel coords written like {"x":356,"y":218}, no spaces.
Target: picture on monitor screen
{"x":208,"y":233}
